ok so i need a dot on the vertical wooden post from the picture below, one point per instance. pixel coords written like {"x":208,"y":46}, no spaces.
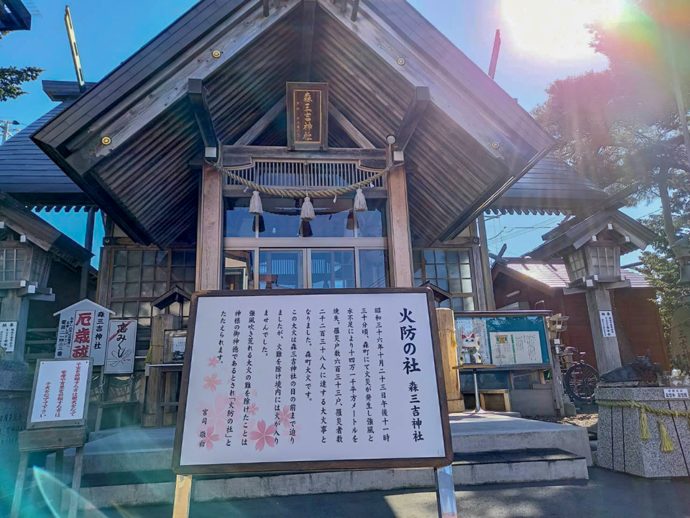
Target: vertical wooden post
{"x":76,"y":482}
{"x":88,"y":244}
{"x":159,"y":324}
{"x":209,"y":238}
{"x":449,"y":355}
{"x":399,"y":242}
{"x":605,"y":347}
{"x":487,"y":286}
{"x":15,"y":307}
{"x":19,"y":485}
{"x":183,"y":495}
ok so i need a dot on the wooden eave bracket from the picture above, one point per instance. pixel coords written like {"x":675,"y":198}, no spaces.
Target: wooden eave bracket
{"x":197,"y":98}
{"x":415,"y":112}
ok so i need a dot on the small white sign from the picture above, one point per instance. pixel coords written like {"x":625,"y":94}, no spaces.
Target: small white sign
{"x":82,"y":334}
{"x":608,"y":329}
{"x":64,"y":336}
{"x":82,"y":331}
{"x":60,"y":392}
{"x":676,"y":393}
{"x":121,"y":348}
{"x":8,"y":335}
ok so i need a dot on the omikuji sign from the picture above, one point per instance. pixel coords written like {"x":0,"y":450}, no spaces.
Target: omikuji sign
{"x":312,"y":379}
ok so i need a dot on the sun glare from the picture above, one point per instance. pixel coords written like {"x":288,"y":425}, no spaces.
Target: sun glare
{"x":556,"y":29}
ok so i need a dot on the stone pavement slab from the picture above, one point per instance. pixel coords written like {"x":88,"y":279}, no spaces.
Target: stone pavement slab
{"x":606,"y":495}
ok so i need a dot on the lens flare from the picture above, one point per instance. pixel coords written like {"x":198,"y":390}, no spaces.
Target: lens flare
{"x":556,"y":29}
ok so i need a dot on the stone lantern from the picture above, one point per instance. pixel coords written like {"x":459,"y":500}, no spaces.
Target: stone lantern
{"x":591,"y":248}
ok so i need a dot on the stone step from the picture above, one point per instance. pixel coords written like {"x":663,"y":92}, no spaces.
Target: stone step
{"x":536,"y":465}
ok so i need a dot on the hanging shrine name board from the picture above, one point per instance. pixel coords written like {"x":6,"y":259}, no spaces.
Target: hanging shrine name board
{"x":307,"y":116}
{"x":312,"y":379}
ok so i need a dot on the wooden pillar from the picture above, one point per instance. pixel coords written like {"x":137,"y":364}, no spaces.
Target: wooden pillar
{"x":159,"y":324}
{"x":88,"y":244}
{"x":15,"y":308}
{"x":449,"y":354}
{"x":605,"y":347}
{"x":487,"y":282}
{"x":209,"y":237}
{"x":399,"y":242}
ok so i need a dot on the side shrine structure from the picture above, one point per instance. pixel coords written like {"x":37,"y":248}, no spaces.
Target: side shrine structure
{"x":286,"y":144}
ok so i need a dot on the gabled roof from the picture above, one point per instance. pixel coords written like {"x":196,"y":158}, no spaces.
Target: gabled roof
{"x":471,"y":144}
{"x":573,"y":233}
{"x":84,"y":303}
{"x":551,"y":187}
{"x":22,"y":221}
{"x":552,"y":275}
{"x":29,"y":175}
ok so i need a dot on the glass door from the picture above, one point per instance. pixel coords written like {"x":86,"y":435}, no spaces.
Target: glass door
{"x":332,"y":268}
{"x":281,"y":269}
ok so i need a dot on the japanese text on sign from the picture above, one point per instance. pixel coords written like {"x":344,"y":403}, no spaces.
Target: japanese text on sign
{"x":318,"y":377}
{"x":8,"y":335}
{"x":60,"y":392}
{"x":121,"y":347}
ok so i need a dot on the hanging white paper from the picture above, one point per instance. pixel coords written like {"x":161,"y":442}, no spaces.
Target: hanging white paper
{"x":608,"y":329}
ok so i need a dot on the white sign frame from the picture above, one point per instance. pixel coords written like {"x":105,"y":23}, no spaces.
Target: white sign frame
{"x":416,"y":298}
{"x":676,"y":393}
{"x":11,"y":329}
{"x":110,"y":348}
{"x":608,"y":326}
{"x":85,"y":390}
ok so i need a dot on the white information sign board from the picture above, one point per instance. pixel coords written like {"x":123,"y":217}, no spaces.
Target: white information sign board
{"x":82,"y":331}
{"x":8,"y":335}
{"x":676,"y":393}
{"x":60,"y":393}
{"x":337,"y":378}
{"x":121,"y":348}
{"x":608,"y":329}
{"x":514,"y":347}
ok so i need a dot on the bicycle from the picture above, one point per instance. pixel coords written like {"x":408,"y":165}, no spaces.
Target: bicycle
{"x":579,"y":378}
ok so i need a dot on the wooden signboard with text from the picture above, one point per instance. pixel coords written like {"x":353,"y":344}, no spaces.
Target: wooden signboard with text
{"x":305,"y":380}
{"x":307,"y":116}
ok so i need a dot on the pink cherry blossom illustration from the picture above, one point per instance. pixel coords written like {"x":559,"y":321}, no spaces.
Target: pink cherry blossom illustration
{"x":213,"y":361}
{"x":253,"y":409}
{"x":211,"y":382}
{"x":211,"y":437}
{"x":263,"y":435}
{"x":284,"y":417}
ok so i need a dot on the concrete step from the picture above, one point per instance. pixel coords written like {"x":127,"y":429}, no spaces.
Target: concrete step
{"x":508,"y":466}
{"x":536,"y":465}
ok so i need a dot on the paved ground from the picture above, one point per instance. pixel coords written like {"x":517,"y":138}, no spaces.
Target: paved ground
{"x":607,"y":495}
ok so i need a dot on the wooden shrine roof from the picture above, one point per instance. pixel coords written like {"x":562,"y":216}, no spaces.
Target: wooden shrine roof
{"x":552,"y":275}
{"x":550,"y":187}
{"x":574,"y":232}
{"x":33,"y":178}
{"x":14,"y":215}
{"x":469,"y":146}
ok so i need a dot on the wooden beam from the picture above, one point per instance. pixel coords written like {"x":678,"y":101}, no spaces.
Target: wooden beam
{"x":197,"y":99}
{"x":415,"y":111}
{"x":308,"y":16}
{"x":267,"y":8}
{"x":282,"y":153}
{"x":349,"y":128}
{"x":355,"y":10}
{"x":260,"y":126}
{"x":209,"y":243}
{"x":229,"y":38}
{"x":399,"y":242}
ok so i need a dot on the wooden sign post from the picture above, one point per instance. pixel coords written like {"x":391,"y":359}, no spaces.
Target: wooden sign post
{"x":306,"y":380}
{"x":56,"y":420}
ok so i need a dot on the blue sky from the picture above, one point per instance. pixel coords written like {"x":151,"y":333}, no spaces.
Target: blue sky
{"x":109,"y":32}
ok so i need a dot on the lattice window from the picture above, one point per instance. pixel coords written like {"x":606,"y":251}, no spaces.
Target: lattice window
{"x":450,"y":270}
{"x":12,"y":264}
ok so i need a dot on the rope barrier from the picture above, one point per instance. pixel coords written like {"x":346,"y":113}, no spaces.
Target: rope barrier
{"x":666,"y":445}
{"x":299,"y":193}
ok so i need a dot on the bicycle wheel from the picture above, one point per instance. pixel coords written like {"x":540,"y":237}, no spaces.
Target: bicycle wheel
{"x":579,"y":381}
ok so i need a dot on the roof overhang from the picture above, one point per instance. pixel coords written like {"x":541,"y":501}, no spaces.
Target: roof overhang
{"x":470,"y":144}
{"x":14,"y":16}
